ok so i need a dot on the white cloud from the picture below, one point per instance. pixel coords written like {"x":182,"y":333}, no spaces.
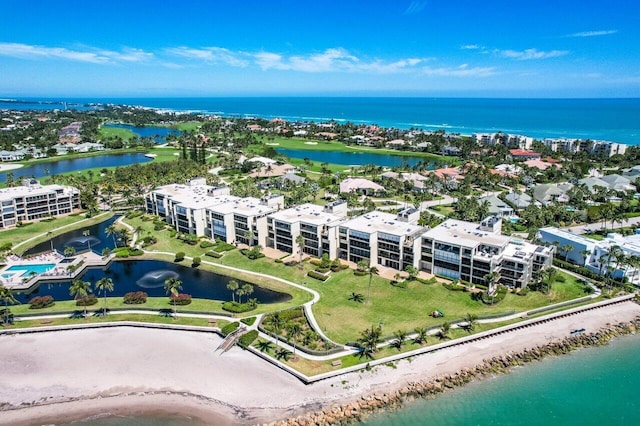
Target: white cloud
{"x":461,"y":71}
{"x":592,"y":33}
{"x":211,"y":54}
{"x":528,"y":54}
{"x":91,"y":55}
{"x":471,"y":47}
{"x":415,"y":7}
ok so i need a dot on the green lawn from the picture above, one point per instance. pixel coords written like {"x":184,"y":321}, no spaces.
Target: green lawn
{"x":189,"y":126}
{"x":150,"y":318}
{"x":115,"y":132}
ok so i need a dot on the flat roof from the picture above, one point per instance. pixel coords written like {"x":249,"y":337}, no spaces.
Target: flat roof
{"x":464,"y":233}
{"x":569,"y":236}
{"x":193,"y":196}
{"x":21,"y":191}
{"x":307,"y":213}
{"x":248,"y":206}
{"x":377,"y":221}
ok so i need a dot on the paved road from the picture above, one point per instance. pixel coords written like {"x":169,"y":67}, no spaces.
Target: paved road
{"x":583,"y":229}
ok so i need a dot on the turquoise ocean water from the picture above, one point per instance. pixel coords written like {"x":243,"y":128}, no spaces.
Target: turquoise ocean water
{"x":616,"y":120}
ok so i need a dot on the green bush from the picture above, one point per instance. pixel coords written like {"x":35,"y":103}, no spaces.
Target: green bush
{"x":173,"y":233}
{"x":247,"y":339}
{"x":122,"y":254}
{"x":221,"y":247}
{"x":179,"y":256}
{"x":358,"y":273}
{"x":196,"y":262}
{"x":213,"y":254}
{"x":206,"y":244}
{"x":248,"y":321}
{"x":399,"y":284}
{"x":229,"y":328}
{"x":453,"y":287}
{"x":158,"y":226}
{"x":135,"y":298}
{"x":136,"y":252}
{"x":290,"y":314}
{"x":238,"y":308}
{"x":318,"y":276}
{"x":40,"y":302}
{"x":523,"y":292}
{"x":88,"y":300}
{"x":431,"y":280}
{"x":180,"y":299}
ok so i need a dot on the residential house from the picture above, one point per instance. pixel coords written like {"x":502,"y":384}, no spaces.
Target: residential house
{"x":360,"y":186}
{"x":498,"y":207}
{"x":549,"y":193}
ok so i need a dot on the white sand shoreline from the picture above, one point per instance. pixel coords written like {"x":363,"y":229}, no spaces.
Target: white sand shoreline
{"x":7,"y":167}
{"x":109,"y":369}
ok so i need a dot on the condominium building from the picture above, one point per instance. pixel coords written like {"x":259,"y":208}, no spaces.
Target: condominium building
{"x":184,"y":206}
{"x":469,"y":251}
{"x":381,"y":238}
{"x":242,"y":220}
{"x":32,"y":201}
{"x":316,"y":224}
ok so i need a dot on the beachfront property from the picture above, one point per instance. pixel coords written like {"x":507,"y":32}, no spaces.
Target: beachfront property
{"x":316,"y":224}
{"x":184,"y":206}
{"x":508,"y":140}
{"x":469,"y":251}
{"x":32,"y":201}
{"x":381,"y":238}
{"x":241,"y":220}
{"x":593,"y":147}
{"x":596,"y":255}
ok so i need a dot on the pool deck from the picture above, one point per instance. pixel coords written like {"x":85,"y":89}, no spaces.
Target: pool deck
{"x":60,"y":271}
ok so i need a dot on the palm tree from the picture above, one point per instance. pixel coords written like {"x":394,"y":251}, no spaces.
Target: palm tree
{"x":492,"y":281}
{"x":276,"y":323}
{"x":283,"y":353}
{"x":412,"y":271}
{"x":80,"y":289}
{"x":293,"y":332}
{"x":566,"y":248}
{"x":173,"y":286}
{"x":300,"y":242}
{"x":443,"y":333}
{"x":372,"y":270}
{"x":247,"y":289}
{"x":471,"y":321}
{"x":233,"y":286}
{"x":69,"y":251}
{"x":421,"y":335}
{"x":249,"y":236}
{"x":7,"y":297}
{"x":264,"y":345}
{"x":369,"y":341}
{"x":104,"y":285}
{"x":400,"y":337}
{"x":111,"y":231}
{"x":356,"y":297}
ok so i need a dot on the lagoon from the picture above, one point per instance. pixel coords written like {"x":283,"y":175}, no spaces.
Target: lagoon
{"x":158,"y":134}
{"x":356,"y":158}
{"x":48,"y":168}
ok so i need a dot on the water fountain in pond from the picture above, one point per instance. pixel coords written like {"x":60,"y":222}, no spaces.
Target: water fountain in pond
{"x":83,"y":242}
{"x":156,"y":279}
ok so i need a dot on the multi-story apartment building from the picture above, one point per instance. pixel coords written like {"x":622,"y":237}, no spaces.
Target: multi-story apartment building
{"x":594,"y":147}
{"x":382,"y":239}
{"x":242,"y":220}
{"x":184,"y":206}
{"x":32,"y":201}
{"x":469,"y":251}
{"x":316,"y":224}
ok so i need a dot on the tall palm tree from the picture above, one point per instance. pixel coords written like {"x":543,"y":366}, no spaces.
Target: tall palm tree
{"x":7,"y":297}
{"x":233,"y":286}
{"x":111,"y":231}
{"x":492,"y":280}
{"x":294,"y":330}
{"x":400,"y":337}
{"x":369,"y":340}
{"x":264,"y":346}
{"x":104,"y":284}
{"x":471,"y":322}
{"x":173,"y":286}
{"x":247,"y":289}
{"x":276,"y":322}
{"x":444,"y":330}
{"x":300,"y":242}
{"x":372,"y":270}
{"x":421,"y":335}
{"x":80,"y":289}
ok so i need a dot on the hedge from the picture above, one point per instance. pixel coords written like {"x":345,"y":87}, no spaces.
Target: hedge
{"x":40,"y":302}
{"x":247,"y":339}
{"x":317,"y":275}
{"x":206,"y":244}
{"x":229,"y":328}
{"x":248,"y":321}
{"x":213,"y":254}
{"x":88,"y":300}
{"x":180,"y":299}
{"x":238,"y":308}
{"x":135,"y":298}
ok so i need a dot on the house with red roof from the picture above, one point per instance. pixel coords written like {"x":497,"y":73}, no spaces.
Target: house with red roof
{"x":524,"y":154}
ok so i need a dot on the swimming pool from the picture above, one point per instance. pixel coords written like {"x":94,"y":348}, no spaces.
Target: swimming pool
{"x":36,"y":268}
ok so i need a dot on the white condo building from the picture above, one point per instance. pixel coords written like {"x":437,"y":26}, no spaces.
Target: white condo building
{"x":32,"y":201}
{"x":469,"y":251}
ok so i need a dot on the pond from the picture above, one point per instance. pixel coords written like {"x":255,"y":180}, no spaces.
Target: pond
{"x":149,"y":276}
{"x":89,"y":238}
{"x":49,"y":168}
{"x":157,"y":133}
{"x":356,"y":158}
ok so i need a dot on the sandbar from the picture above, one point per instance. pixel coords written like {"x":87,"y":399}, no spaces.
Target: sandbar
{"x":75,"y":374}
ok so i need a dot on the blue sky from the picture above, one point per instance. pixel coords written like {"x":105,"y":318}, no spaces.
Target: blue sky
{"x":501,"y":48}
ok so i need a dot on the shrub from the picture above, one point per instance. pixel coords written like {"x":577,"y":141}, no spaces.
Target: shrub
{"x":158,"y":227}
{"x":501,"y":292}
{"x":291,"y":314}
{"x":213,"y":254}
{"x":6,"y":246}
{"x":173,"y":233}
{"x":222,"y":246}
{"x":399,"y":284}
{"x":136,"y":252}
{"x":431,"y":280}
{"x":318,"y":276}
{"x":453,"y":287}
{"x":148,"y":240}
{"x":248,"y":321}
{"x":206,"y":244}
{"x":229,"y":328}
{"x":179,"y":256}
{"x":88,"y":300}
{"x":358,"y":273}
{"x":322,"y":270}
{"x":247,"y":339}
{"x":560,"y":278}
{"x":196,"y":262}
{"x":40,"y":302}
{"x":278,"y":260}
{"x":181,"y":299}
{"x":122,"y":254}
{"x":523,"y":292}
{"x":135,"y":298}
{"x":238,"y":308}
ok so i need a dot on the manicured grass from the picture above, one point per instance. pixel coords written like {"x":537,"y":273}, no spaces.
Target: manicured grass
{"x":115,"y":132}
{"x":30,"y":230}
{"x":151,"y":318}
{"x":189,"y":126}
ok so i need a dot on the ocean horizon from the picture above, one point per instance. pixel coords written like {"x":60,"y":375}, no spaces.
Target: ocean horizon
{"x":611,"y":119}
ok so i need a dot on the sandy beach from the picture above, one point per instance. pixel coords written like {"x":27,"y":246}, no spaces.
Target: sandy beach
{"x":82,"y":373}
{"x":7,"y":167}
